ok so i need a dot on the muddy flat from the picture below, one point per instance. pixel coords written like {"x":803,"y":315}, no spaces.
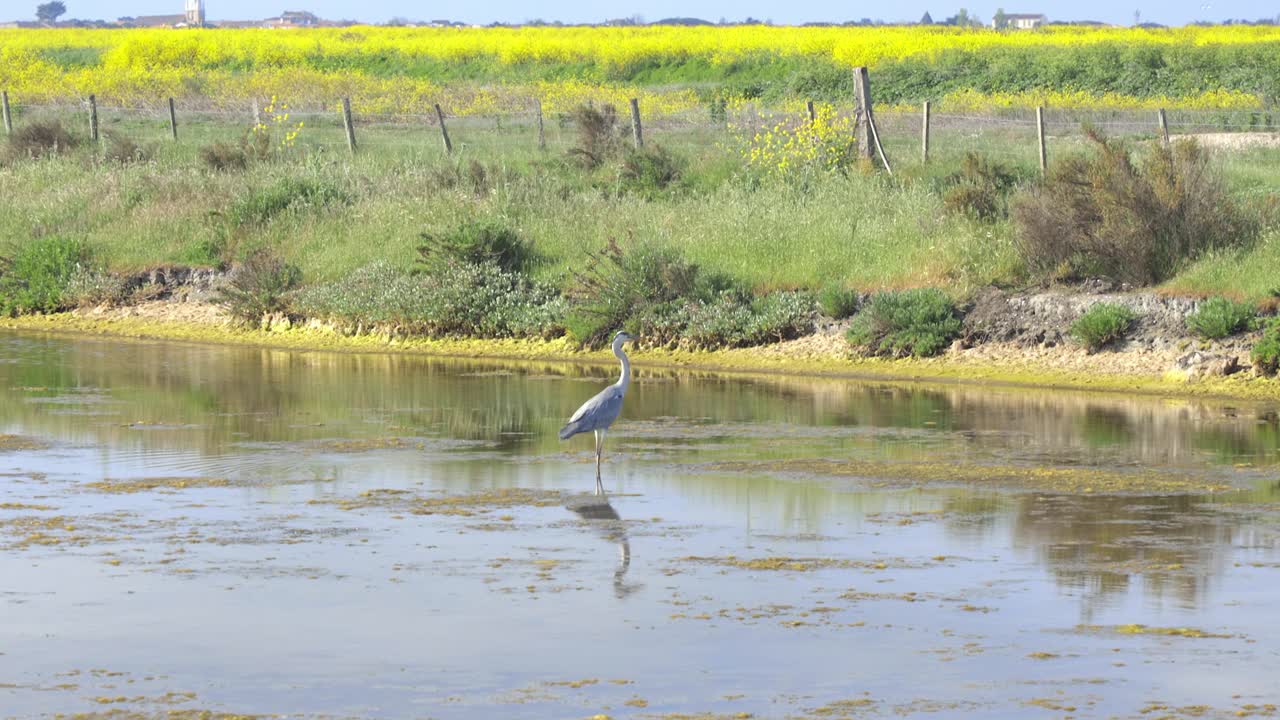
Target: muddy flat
{"x":200,"y":532}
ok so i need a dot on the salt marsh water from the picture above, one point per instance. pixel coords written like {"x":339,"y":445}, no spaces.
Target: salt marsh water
{"x":187,"y":529}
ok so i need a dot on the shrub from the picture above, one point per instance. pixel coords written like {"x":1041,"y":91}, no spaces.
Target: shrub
{"x":1101,"y":325}
{"x":1220,"y":317}
{"x":257,"y":287}
{"x":909,"y":322}
{"x":1103,"y":214}
{"x":90,"y":287}
{"x":1266,"y":353}
{"x":618,"y":284}
{"x":837,"y":302}
{"x":288,"y":193}
{"x":36,"y":277}
{"x":474,"y":243}
{"x":599,"y":139}
{"x":475,"y":300}
{"x":734,"y":321}
{"x":797,"y":149}
{"x":650,"y":170}
{"x":474,"y":177}
{"x":981,"y":188}
{"x":40,"y":138}
{"x":122,"y":149}
{"x":224,"y":156}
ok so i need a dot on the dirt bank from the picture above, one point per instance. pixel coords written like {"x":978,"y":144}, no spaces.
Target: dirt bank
{"x":1007,"y":340}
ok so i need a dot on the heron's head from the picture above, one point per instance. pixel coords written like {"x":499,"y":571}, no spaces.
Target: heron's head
{"x":621,"y":337}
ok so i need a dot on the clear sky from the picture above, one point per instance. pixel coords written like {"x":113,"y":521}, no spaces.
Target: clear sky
{"x":1169,"y":12}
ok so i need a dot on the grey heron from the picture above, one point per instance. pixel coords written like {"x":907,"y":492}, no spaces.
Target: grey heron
{"x":598,"y":413}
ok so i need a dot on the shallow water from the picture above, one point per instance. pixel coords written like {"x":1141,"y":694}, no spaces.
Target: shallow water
{"x":190,"y":528}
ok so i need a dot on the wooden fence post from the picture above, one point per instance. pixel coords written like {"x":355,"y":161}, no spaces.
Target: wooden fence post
{"x":1044,"y":161}
{"x":1164,"y":125}
{"x":93,"y":118}
{"x":542,"y":136}
{"x":348,"y":125}
{"x":862,"y":111}
{"x":4,"y":109}
{"x":636,"y":133}
{"x":444,"y":132}
{"x":813,"y":114}
{"x":173,"y":120}
{"x":257,"y":112}
{"x":924,"y":134}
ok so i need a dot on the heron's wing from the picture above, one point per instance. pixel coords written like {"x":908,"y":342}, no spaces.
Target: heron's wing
{"x":598,"y":412}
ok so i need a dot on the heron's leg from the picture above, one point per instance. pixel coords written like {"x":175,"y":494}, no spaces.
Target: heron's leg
{"x":599,"y":452}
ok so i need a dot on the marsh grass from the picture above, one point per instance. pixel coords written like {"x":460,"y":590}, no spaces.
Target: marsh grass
{"x":1101,"y":325}
{"x":858,"y":231}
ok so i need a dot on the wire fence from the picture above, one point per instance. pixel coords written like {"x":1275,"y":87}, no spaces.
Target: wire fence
{"x":1009,"y":134}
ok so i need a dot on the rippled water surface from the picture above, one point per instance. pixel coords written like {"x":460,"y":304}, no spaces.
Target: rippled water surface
{"x":187,"y":528}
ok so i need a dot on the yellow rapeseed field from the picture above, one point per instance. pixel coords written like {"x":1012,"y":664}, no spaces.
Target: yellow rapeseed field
{"x":406,"y":70}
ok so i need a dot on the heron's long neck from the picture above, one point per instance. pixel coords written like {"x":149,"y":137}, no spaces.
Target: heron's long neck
{"x":625,"y":380}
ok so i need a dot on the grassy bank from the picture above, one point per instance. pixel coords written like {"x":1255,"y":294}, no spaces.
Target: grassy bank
{"x":804,"y":228}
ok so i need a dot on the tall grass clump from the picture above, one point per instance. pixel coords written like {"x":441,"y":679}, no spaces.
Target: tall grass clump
{"x":38,"y":139}
{"x":649,"y":171}
{"x":1266,"y":353}
{"x":123,"y":149}
{"x":476,"y":242}
{"x":1105,"y":214}
{"x":35,"y":277}
{"x":980,"y":188}
{"x":258,"y":286}
{"x":918,"y":322}
{"x":837,"y":302}
{"x":286,"y":194}
{"x":1101,"y":325}
{"x":1220,"y":317}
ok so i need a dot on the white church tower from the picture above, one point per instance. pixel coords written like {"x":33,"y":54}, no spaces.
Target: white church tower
{"x":195,"y":13}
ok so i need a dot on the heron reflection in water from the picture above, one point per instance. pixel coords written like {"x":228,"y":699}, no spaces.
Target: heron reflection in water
{"x":598,"y":413}
{"x":604,"y":519}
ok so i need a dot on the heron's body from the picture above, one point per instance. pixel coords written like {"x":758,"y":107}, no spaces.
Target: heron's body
{"x":597,"y":414}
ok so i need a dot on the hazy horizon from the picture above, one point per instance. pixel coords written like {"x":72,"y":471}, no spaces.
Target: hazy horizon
{"x":1178,"y":12}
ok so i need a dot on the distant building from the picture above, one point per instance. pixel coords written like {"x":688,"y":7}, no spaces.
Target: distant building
{"x":13,"y":24}
{"x":195,"y":13}
{"x":1023,"y":21}
{"x":293,"y":19}
{"x":154,"y":21}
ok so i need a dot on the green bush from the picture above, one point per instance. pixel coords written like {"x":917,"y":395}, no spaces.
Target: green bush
{"x":34,"y":278}
{"x":286,"y":194}
{"x":909,"y":322}
{"x":1106,"y":215}
{"x":1266,"y":353}
{"x":981,"y":188}
{"x":1220,"y":317}
{"x":475,"y":243}
{"x":473,"y":300}
{"x":649,"y":171}
{"x":618,"y":284}
{"x":599,"y":139}
{"x":1101,"y":325}
{"x":837,"y":302}
{"x":257,"y":287}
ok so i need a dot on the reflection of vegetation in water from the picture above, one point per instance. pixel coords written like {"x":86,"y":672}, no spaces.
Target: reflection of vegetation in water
{"x":1098,"y":547}
{"x":224,"y":395}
